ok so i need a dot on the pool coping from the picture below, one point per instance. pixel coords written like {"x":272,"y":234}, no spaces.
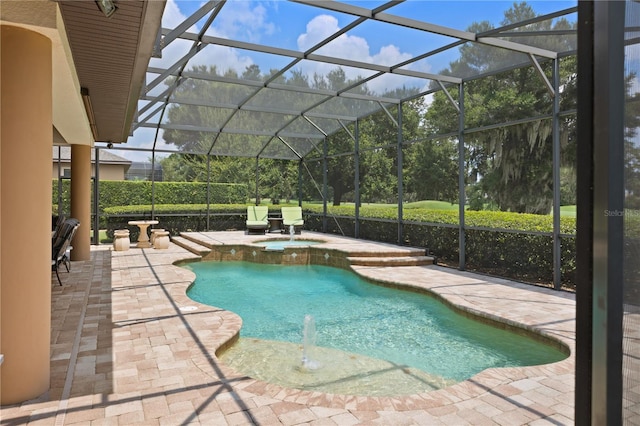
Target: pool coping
{"x":433,"y":279}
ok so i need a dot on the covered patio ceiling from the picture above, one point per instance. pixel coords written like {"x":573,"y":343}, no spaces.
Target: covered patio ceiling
{"x":289,"y":100}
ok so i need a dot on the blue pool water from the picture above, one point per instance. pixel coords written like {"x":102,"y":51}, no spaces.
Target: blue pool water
{"x":356,"y":316}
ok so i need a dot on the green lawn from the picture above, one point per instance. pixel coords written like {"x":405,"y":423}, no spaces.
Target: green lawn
{"x":102,"y":236}
{"x":565,"y":211}
{"x":425,"y":204}
{"x":431,"y":205}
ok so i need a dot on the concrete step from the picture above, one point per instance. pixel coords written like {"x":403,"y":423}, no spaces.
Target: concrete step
{"x":193,"y":247}
{"x":196,"y":238}
{"x":409,"y":252}
{"x":392,"y":261}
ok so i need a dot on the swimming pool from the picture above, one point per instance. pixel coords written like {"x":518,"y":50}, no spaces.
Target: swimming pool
{"x":402,"y":328}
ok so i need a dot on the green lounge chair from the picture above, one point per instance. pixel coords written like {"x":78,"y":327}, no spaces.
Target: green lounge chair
{"x":292,"y":216}
{"x":257,"y":222}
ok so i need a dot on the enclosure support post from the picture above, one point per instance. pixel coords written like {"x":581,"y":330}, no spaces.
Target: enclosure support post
{"x":300,"y":182}
{"x":59,"y":201}
{"x":584,"y":216}
{"x":325,"y":179}
{"x":557,"y":272}
{"x":153,"y":183}
{"x":608,"y":211}
{"x":461,"y":176}
{"x":257,"y":180}
{"x":96,"y":200}
{"x":399,"y":171}
{"x":356,"y":167}
{"x":208,"y":191}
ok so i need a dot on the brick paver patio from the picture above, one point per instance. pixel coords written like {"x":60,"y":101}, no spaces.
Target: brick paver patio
{"x":129,"y":347}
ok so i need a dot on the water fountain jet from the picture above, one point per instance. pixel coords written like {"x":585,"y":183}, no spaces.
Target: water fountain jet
{"x":308,"y":343}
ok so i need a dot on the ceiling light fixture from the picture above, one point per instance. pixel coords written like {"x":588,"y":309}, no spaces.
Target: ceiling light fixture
{"x":108,"y":7}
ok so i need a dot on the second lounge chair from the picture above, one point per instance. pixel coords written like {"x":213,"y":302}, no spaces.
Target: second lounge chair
{"x":257,"y":222}
{"x":292,"y":216}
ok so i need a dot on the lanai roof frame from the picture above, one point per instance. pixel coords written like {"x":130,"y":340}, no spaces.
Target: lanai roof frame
{"x":257,"y":92}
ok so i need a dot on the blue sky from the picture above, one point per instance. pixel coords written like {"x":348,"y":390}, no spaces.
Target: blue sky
{"x":298,"y":27}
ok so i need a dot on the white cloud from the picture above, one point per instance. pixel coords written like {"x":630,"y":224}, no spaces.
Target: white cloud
{"x":350,"y":47}
{"x":172,"y":17}
{"x":318,"y":29}
{"x":345,"y":46}
{"x":238,"y":20}
{"x":243,"y":19}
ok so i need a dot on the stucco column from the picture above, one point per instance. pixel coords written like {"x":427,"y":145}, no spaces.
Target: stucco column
{"x":26,"y":138}
{"x":81,"y":200}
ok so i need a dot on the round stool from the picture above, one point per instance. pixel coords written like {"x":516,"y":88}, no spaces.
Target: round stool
{"x":161,"y":240}
{"x":121,"y":240}
{"x":153,"y":234}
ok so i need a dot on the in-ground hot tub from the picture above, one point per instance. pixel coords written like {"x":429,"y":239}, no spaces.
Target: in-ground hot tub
{"x":280,"y":245}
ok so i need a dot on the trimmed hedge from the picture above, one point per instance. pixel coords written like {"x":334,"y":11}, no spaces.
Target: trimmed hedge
{"x":494,"y":247}
{"x":128,"y":192}
{"x":485,"y":219}
{"x":120,"y":193}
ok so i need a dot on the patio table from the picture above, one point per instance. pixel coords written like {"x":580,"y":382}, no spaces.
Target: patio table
{"x":143,"y":238}
{"x":275,"y":223}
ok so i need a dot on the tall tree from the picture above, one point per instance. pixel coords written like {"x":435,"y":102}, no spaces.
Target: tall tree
{"x":432,"y":170}
{"x":378,"y":147}
{"x":511,"y":165}
{"x":632,"y":146}
{"x":341,"y":172}
{"x":278,"y":180}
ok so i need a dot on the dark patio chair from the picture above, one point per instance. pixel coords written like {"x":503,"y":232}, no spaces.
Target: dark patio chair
{"x":56,"y":224}
{"x":61,"y":245}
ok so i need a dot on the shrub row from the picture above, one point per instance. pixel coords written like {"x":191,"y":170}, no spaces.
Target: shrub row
{"x":122,"y":193}
{"x":493,"y":244}
{"x":480,"y":219}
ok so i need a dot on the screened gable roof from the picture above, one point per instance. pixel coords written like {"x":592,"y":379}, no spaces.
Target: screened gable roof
{"x":211,"y":93}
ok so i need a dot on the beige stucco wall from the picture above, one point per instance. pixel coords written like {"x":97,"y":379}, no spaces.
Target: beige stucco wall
{"x":107,"y":171}
{"x":25,"y":213}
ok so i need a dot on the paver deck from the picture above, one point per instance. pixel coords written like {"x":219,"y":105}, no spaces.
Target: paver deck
{"x":129,"y":347}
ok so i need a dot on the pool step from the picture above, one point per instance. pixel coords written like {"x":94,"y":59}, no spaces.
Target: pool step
{"x":200,"y":238}
{"x":405,"y":252}
{"x":392,"y":261}
{"x":191,"y":246}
